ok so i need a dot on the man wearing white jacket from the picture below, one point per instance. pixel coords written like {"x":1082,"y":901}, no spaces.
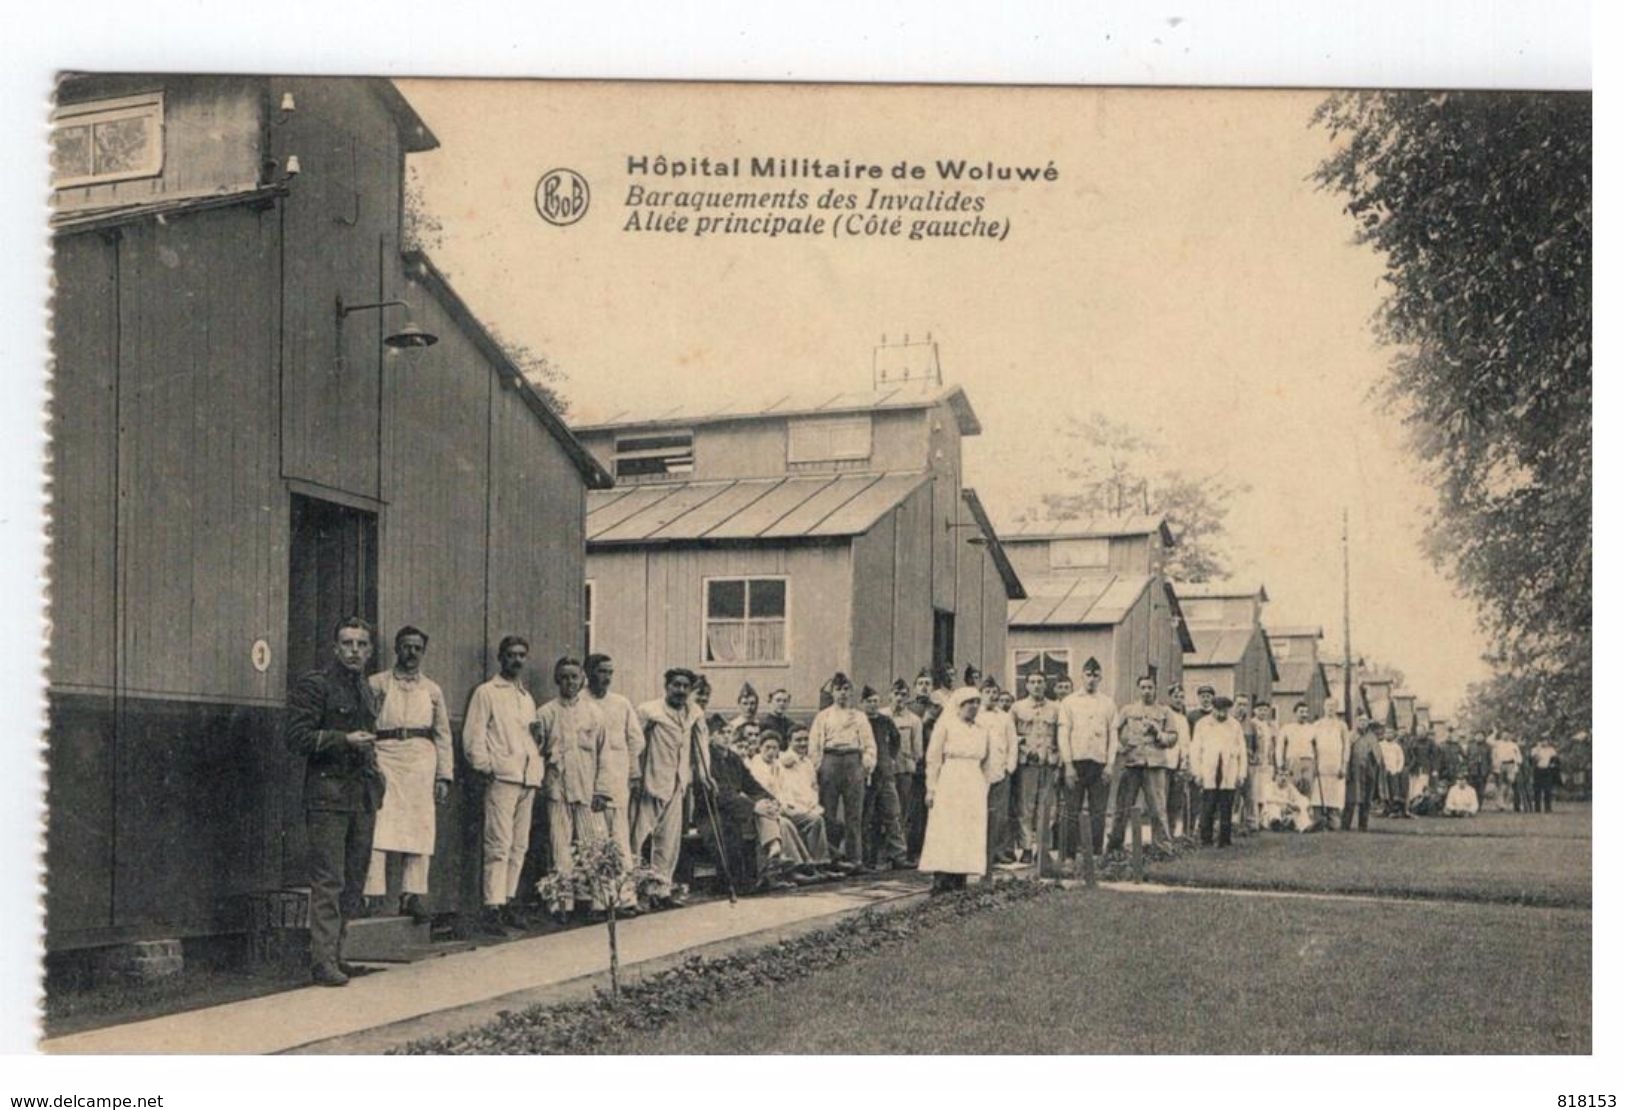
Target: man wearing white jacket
{"x":1219,"y":763}
{"x":501,"y":747}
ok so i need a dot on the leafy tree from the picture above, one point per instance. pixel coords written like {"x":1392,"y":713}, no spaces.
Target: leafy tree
{"x":1528,"y":706}
{"x":420,"y":228}
{"x":1480,"y":204}
{"x":540,"y":371}
{"x":1112,"y":472}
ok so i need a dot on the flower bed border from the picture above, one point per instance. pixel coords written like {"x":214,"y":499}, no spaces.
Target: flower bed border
{"x":582,"y":1026}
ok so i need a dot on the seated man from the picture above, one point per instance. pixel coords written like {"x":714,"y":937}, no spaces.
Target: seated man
{"x":796,"y":787}
{"x":745,"y":809}
{"x":1282,"y":806}
{"x":1461,"y":800}
{"x":807,"y":821}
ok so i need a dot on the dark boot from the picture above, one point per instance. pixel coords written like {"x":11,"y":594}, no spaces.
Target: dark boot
{"x":416,"y":907}
{"x":491,"y":922}
{"x":328,"y":975}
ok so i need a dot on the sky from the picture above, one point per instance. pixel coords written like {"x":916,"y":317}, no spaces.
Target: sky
{"x":1181,"y":274}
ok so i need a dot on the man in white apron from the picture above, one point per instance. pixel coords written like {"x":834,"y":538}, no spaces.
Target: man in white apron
{"x":1298,"y":756}
{"x":414,"y":755}
{"x":1332,"y":746}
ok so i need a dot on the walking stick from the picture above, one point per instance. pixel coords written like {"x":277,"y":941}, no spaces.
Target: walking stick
{"x":708,"y":788}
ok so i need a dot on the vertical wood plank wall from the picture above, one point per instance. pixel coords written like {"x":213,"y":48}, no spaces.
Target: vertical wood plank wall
{"x":648,"y":615}
{"x":197,"y":368}
{"x":195,"y":371}
{"x":83,"y":449}
{"x":339,"y":214}
{"x":438,"y":424}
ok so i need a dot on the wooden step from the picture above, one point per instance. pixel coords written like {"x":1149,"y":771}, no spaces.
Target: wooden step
{"x":384,"y":939}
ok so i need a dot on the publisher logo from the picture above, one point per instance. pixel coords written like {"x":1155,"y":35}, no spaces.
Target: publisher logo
{"x":562,"y":197}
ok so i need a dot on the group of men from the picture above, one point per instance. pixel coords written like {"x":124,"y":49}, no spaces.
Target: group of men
{"x":379,"y":760}
{"x":1490,"y":769}
{"x":778,"y":803}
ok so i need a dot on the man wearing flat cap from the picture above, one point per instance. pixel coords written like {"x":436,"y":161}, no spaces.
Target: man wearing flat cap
{"x":1204,"y":705}
{"x":1219,"y":762}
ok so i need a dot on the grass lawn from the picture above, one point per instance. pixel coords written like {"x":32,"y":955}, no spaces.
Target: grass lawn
{"x":1183,"y":972}
{"x":1570,"y":821}
{"x":1539,"y":860}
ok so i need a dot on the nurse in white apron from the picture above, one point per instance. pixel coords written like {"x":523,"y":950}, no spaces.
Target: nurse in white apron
{"x":957,"y":767}
{"x":414,"y":755}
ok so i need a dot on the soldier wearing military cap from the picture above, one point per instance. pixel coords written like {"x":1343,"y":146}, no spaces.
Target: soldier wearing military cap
{"x":842,"y":749}
{"x":882,"y":809}
{"x":1087,"y":746}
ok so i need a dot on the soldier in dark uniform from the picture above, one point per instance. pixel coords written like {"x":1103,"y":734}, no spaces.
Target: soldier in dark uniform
{"x":330,"y":724}
{"x":929,"y":697}
{"x":883,"y":835}
{"x":1449,"y":760}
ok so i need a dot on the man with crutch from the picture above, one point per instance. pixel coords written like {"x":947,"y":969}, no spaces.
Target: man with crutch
{"x":669,"y":731}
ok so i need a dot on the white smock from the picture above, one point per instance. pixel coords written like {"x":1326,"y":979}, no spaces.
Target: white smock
{"x":405,"y":822}
{"x":956,"y":779}
{"x":1331,"y":748}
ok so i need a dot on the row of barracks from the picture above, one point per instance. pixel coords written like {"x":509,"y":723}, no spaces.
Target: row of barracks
{"x":270,"y":412}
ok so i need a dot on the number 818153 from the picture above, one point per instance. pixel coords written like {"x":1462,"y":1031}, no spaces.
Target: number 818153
{"x":1586,"y":1102}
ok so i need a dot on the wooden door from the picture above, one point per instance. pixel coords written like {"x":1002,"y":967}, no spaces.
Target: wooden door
{"x":332,"y":574}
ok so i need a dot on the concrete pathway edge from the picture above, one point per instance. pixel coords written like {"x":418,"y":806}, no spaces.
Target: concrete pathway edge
{"x":287,"y":1020}
{"x":461,"y":1018}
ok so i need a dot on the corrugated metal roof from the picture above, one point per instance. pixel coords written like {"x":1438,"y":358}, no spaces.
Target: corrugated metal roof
{"x":860,"y":513}
{"x":813,"y":402}
{"x":660,"y":514}
{"x":1055,"y":600}
{"x":772,"y":507}
{"x":1218,"y":647}
{"x":751,"y":508}
{"x":823,"y":504}
{"x":1094,"y":528}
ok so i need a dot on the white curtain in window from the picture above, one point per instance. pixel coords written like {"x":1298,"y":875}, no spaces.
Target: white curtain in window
{"x":744,"y":641}
{"x":725,"y":642}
